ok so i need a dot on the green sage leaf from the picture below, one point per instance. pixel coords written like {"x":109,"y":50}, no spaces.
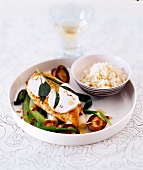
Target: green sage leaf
{"x":69,"y":89}
{"x":50,"y":78}
{"x":44,"y":90}
{"x":54,"y":80}
{"x":57,"y":99}
{"x":83,"y":97}
{"x":20,"y":97}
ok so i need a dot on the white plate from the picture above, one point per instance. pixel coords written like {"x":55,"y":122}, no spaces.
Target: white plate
{"x":119,"y":106}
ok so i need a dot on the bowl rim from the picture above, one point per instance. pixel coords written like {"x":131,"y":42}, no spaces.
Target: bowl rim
{"x":104,"y":57}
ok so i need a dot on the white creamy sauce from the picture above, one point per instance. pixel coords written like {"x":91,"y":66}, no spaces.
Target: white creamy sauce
{"x":35,"y":83}
{"x":52,"y":98}
{"x":68,"y":101}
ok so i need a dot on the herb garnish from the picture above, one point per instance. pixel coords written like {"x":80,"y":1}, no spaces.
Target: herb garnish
{"x":57,"y":99}
{"x":20,"y":97}
{"x":44,"y":90}
{"x":50,"y":78}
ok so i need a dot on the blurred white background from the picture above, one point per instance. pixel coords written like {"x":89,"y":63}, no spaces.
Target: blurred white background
{"x":40,"y":7}
{"x":27,"y":30}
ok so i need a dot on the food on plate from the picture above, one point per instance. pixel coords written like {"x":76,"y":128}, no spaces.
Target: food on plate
{"x":103,"y":75}
{"x":82,"y":121}
{"x":61,"y":73}
{"x":20,"y":97}
{"x":52,"y":105}
{"x":68,"y":126}
{"x":68,"y":107}
{"x":95,"y":123}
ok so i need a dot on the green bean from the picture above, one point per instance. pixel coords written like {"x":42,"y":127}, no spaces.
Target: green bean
{"x":38,"y":116}
{"x":26,"y":112}
{"x":53,"y":128}
{"x":40,"y":119}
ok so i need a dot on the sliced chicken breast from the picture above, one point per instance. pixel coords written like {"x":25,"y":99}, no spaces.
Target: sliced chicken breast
{"x":71,"y":116}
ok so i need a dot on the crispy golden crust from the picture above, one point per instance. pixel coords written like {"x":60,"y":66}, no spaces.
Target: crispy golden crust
{"x":71,"y":116}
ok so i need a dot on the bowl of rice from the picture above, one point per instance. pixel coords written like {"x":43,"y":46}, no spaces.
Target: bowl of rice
{"x":101,"y":75}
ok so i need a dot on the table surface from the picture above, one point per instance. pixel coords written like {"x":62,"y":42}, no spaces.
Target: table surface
{"x":27,"y":37}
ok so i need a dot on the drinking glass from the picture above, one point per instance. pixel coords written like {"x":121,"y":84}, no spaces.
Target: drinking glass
{"x":70,"y":21}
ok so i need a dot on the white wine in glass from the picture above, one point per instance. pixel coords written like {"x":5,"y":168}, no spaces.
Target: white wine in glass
{"x":70,"y":33}
{"x":71,"y":20}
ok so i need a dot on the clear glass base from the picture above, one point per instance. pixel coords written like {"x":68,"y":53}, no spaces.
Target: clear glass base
{"x":72,"y":52}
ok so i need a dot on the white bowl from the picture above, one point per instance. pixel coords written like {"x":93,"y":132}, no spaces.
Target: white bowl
{"x":85,"y":62}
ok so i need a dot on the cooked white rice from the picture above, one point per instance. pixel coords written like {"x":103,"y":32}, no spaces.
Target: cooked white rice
{"x":103,"y":75}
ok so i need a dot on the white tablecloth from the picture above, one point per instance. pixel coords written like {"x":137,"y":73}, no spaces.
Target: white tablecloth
{"x":27,"y":37}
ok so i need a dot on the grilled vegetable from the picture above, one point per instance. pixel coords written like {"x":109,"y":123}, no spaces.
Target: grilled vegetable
{"x":26,"y":112}
{"x":95,"y":123}
{"x":61,"y":73}
{"x":70,"y":129}
{"x":65,"y":130}
{"x":35,"y":114}
{"x":50,"y":123}
{"x":53,"y":72}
